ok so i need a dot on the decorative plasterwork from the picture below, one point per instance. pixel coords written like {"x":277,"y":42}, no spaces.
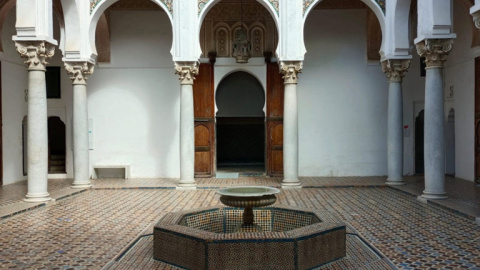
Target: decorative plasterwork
{"x":203,"y":3}
{"x":93,"y":4}
{"x":79,"y":71}
{"x":187,"y":71}
{"x":381,"y":3}
{"x":306,"y":5}
{"x":395,"y":69}
{"x":435,"y":51}
{"x":290,"y":70}
{"x":36,"y":53}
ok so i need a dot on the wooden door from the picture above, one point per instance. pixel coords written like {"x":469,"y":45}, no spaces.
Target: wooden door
{"x":1,"y":129}
{"x":204,"y":109}
{"x":274,"y":125}
{"x":477,"y":120}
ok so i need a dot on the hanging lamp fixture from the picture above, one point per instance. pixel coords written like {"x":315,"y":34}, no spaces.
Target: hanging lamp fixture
{"x":241,"y":46}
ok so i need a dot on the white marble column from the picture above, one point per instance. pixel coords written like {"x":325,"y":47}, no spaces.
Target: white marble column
{"x":36,"y":53}
{"x":435,"y":52}
{"x":394,"y":69}
{"x":79,"y":72}
{"x":187,"y":72}
{"x":290,"y":70}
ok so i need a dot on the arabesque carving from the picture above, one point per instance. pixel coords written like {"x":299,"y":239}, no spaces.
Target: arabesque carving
{"x":435,"y":51}
{"x":79,"y":71}
{"x":395,"y":69}
{"x":36,"y":53}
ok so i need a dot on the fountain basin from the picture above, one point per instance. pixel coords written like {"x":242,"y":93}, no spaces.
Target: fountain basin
{"x":291,"y":238}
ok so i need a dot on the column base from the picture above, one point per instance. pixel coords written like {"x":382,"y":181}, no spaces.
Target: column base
{"x":41,"y":197}
{"x":395,"y":182}
{"x":291,"y":185}
{"x":434,"y":196}
{"x":86,"y":184}
{"x":187,"y":185}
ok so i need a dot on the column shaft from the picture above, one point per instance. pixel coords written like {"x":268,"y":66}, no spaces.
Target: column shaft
{"x":187,"y":137}
{"x":37,"y":138}
{"x":80,"y":137}
{"x":290,"y":137}
{"x":395,"y":134}
{"x":434,"y":145}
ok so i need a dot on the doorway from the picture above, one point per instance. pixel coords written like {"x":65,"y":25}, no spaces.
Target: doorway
{"x":240,"y":125}
{"x":56,"y":145}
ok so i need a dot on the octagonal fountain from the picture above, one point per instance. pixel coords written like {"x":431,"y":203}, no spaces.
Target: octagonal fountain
{"x":257,"y":238}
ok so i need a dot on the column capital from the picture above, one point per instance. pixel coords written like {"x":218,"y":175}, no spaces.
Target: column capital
{"x":187,"y":71}
{"x":395,"y":69}
{"x":79,"y":71}
{"x":36,"y":53}
{"x":435,"y":51}
{"x":476,"y":18}
{"x":290,"y":70}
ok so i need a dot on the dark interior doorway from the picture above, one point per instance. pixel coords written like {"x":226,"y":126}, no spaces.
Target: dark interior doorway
{"x":56,"y":145}
{"x":419,"y":135}
{"x":240,"y":124}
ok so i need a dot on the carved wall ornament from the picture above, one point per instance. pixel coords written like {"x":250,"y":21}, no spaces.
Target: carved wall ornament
{"x":307,"y":4}
{"x":93,"y":4}
{"x":435,"y":51}
{"x":395,"y":69}
{"x":36,"y":53}
{"x":79,"y":71}
{"x":187,"y":71}
{"x":290,"y":70}
{"x":222,"y":42}
{"x":257,"y":40}
{"x":274,"y":4}
{"x":201,"y":5}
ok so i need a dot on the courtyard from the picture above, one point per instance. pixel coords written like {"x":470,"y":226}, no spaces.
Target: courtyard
{"x":110,"y":225}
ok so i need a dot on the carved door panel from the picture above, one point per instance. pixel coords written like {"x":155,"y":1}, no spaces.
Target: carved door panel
{"x":203,"y":99}
{"x":274,"y":125}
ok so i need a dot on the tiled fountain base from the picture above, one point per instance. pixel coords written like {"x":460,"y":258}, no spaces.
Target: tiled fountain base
{"x":290,"y":238}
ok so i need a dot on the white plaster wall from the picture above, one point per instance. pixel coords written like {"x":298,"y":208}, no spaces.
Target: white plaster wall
{"x":460,"y":76}
{"x":14,"y":82}
{"x":342,"y":100}
{"x":135,"y":100}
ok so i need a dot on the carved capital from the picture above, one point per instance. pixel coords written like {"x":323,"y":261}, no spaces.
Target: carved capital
{"x":36,"y":53}
{"x":435,"y":51}
{"x":476,"y":19}
{"x":79,"y":71}
{"x":395,"y":69}
{"x":290,"y":70}
{"x":187,"y":71}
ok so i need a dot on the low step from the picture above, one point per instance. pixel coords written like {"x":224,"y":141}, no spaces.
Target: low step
{"x":57,"y":162}
{"x":57,"y":168}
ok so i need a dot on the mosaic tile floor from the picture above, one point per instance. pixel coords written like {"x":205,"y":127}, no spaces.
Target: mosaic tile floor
{"x":90,"y":229}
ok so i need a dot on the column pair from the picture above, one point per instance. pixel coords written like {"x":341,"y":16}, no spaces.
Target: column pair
{"x":395,"y":69}
{"x":290,"y":70}
{"x":435,"y":52}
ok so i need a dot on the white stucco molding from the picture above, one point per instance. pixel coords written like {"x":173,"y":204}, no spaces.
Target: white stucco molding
{"x":475,"y":12}
{"x":434,"y":20}
{"x":34,"y":21}
{"x":291,"y":43}
{"x":372,"y":4}
{"x":396,"y":35}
